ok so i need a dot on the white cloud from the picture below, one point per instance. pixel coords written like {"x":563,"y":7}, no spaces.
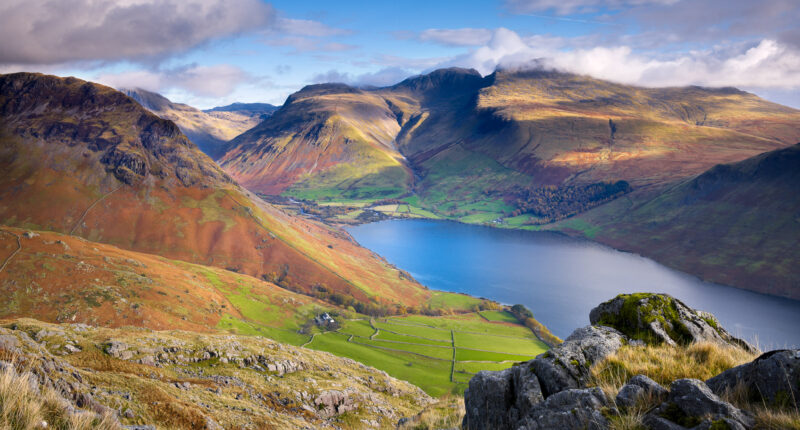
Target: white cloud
{"x":564,"y":7}
{"x":305,"y":27}
{"x":381,"y":78}
{"x":457,"y":37}
{"x":48,"y":32}
{"x":306,"y":36}
{"x":200,"y":81}
{"x":767,"y":64}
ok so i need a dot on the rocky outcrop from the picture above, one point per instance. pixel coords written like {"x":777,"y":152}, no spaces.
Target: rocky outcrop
{"x":639,"y":387}
{"x":691,"y":404}
{"x":661,"y":318}
{"x":773,"y":378}
{"x":551,"y":390}
{"x":519,"y":396}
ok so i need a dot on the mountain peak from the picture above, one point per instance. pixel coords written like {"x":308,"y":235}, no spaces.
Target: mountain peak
{"x":447,"y":79}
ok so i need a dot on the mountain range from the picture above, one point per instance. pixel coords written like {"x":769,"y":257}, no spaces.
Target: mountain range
{"x":457,"y":140}
{"x":209,"y":129}
{"x":84,"y":159}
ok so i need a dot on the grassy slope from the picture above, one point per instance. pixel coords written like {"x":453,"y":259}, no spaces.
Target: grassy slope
{"x":120,"y":175}
{"x":327,"y":141}
{"x":66,"y":279}
{"x":182,"y":385}
{"x":735,"y":224}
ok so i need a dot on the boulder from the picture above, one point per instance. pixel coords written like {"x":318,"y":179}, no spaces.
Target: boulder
{"x":774,"y":378}
{"x":488,"y":400}
{"x":567,"y":365}
{"x":334,"y":402}
{"x":661,"y":318}
{"x":692,"y":404}
{"x":504,"y":399}
{"x":568,"y":410}
{"x":640,"y":386}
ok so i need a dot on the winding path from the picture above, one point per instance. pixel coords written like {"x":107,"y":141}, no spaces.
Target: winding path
{"x":83,"y":215}
{"x":16,"y":251}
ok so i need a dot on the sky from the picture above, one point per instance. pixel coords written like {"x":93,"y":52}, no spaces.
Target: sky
{"x":214,"y":52}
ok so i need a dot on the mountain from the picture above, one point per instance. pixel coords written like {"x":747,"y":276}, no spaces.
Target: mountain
{"x":209,"y":130}
{"x":465,"y":144}
{"x":265,"y":109}
{"x":736,"y":224}
{"x":326,"y":139}
{"x":87,"y":160}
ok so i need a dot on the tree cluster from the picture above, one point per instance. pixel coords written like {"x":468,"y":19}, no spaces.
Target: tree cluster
{"x":554,"y":203}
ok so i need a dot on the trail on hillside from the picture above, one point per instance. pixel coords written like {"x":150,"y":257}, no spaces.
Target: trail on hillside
{"x":83,"y":215}
{"x":13,"y":254}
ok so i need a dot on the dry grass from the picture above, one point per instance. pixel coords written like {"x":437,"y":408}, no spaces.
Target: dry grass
{"x":665,"y":364}
{"x":767,"y":418}
{"x":446,"y":413}
{"x":23,"y":406}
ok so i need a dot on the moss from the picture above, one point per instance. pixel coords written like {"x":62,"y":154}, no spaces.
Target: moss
{"x":640,"y":310}
{"x":719,"y":425}
{"x":575,"y":363}
{"x":674,"y":413}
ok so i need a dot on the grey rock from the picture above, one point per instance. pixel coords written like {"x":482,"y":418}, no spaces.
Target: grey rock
{"x":118,"y":350}
{"x":9,"y":343}
{"x":569,"y":409}
{"x":504,"y":399}
{"x":691,"y":402}
{"x":334,"y":402}
{"x":662,"y":318}
{"x":488,"y":400}
{"x":774,"y":377}
{"x":567,"y":365}
{"x":638,"y":386}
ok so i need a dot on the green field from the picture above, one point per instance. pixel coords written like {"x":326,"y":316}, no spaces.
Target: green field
{"x":438,"y":354}
{"x":403,"y":344}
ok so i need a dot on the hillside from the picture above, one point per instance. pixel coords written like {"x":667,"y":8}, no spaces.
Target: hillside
{"x":185,"y":380}
{"x":482,"y":148}
{"x":84,"y":159}
{"x":735,"y":224}
{"x":59,"y":278}
{"x":209,"y":129}
{"x":327,"y":140}
{"x":646,"y":362}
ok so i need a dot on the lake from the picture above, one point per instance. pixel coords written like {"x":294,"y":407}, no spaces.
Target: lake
{"x":561,"y":279}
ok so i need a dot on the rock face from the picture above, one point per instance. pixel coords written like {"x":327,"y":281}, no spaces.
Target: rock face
{"x":550,"y":391}
{"x":638,"y":387}
{"x":522,"y":396}
{"x":691,"y":404}
{"x":661,"y":318}
{"x":773,"y":378}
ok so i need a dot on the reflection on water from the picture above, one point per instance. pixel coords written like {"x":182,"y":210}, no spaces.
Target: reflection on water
{"x":560,"y":279}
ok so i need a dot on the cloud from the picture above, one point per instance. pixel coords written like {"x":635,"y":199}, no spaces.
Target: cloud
{"x":200,"y":81}
{"x":49,"y":32}
{"x":765,"y":64}
{"x":306,"y":36}
{"x":457,"y":37}
{"x":305,"y":27}
{"x":381,"y":78}
{"x":565,"y":7}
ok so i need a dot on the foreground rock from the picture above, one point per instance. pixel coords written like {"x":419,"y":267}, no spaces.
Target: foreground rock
{"x":661,"y":318}
{"x":149,"y":379}
{"x":550,"y":391}
{"x":691,"y":404}
{"x":515,"y":396}
{"x":773,"y":378}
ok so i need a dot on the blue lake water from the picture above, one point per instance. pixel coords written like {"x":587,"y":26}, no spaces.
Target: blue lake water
{"x":561,"y":279}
